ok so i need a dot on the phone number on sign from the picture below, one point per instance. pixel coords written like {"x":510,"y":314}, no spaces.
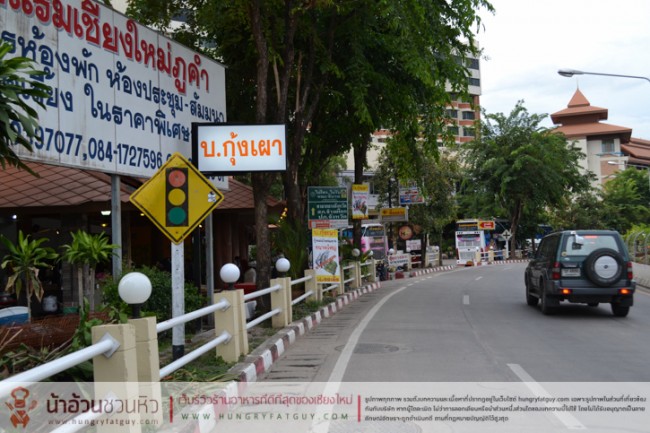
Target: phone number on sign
{"x":97,"y":149}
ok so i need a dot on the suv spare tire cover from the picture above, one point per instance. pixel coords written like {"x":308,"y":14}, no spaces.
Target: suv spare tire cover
{"x":604,"y":267}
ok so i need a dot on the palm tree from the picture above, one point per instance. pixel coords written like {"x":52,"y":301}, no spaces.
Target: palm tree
{"x":24,"y":259}
{"x":86,"y":251}
{"x":18,"y":120}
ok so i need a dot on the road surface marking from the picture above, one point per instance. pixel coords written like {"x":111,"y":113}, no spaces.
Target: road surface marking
{"x":333,"y":384}
{"x":478,"y":278}
{"x":465,"y":299}
{"x":538,"y":390}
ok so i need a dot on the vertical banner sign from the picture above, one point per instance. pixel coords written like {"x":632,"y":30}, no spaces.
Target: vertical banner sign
{"x":325,"y":247}
{"x":360,"y":195}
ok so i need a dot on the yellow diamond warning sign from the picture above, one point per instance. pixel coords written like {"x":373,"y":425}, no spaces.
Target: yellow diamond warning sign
{"x":177,"y":198}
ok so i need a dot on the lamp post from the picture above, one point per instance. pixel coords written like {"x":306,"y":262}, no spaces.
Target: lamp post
{"x":229,"y":274}
{"x":134,"y":289}
{"x":572,"y":72}
{"x":282,"y":265}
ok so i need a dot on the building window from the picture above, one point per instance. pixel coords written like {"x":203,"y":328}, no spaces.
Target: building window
{"x":469,"y":115}
{"x":607,"y":146}
{"x":452,"y":114}
{"x":468,"y":132}
{"x":453,"y":130}
{"x":474,"y":82}
{"x":472,"y":64}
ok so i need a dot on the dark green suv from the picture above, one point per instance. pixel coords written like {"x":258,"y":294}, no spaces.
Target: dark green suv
{"x":581,"y":266}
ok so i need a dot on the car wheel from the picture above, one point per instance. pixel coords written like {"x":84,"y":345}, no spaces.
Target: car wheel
{"x":547,"y":309}
{"x":604,"y":267}
{"x":619,"y":310}
{"x":530,"y":299}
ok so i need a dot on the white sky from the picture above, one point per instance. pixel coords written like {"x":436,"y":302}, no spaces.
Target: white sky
{"x":526,"y":41}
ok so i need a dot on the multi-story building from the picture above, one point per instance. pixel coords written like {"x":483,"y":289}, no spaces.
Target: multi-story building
{"x":463,"y":113}
{"x":608,"y":148}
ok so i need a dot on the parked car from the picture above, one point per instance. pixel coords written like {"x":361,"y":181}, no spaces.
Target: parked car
{"x":581,"y":266}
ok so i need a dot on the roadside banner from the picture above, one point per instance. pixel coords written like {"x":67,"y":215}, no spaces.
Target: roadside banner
{"x":360,"y":195}
{"x":325,"y":247}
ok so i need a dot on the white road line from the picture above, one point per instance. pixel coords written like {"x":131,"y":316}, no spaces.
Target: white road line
{"x":478,"y":278}
{"x":335,"y":379}
{"x":538,"y":390}
{"x":465,"y":299}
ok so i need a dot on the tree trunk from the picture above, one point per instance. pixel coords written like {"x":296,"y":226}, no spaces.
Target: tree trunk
{"x":261,"y":186}
{"x":517,"y":210}
{"x":80,"y":287}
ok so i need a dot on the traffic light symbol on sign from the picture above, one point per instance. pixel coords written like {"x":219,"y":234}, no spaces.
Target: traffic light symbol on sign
{"x":176,"y":201}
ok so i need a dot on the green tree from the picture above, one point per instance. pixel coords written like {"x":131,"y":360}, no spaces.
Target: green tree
{"x":586,"y":211}
{"x":625,"y":200}
{"x":365,"y":61}
{"x":24,"y":259}
{"x":523,"y":166}
{"x":86,"y":251}
{"x":18,"y":120}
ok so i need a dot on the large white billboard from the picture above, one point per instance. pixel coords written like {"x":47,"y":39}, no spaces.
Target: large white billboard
{"x":124,"y":97}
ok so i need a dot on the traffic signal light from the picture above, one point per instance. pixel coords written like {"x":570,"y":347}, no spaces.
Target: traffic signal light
{"x":176,"y":202}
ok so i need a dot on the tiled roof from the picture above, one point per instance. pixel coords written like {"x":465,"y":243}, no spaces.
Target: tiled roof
{"x":638,"y":151}
{"x":55,"y":186}
{"x":59,"y":186}
{"x":579,"y":106}
{"x":591,"y":129}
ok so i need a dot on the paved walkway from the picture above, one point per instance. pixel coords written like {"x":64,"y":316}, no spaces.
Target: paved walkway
{"x":642,"y":274}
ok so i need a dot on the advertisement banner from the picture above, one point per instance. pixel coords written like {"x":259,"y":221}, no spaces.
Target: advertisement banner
{"x":360,"y":196}
{"x":325,"y":253}
{"x":410,"y":195}
{"x":123,"y":96}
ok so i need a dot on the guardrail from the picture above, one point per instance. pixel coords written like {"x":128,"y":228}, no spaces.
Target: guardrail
{"x":128,"y":353}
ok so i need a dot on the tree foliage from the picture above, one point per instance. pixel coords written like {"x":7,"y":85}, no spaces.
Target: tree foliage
{"x":625,"y":200}
{"x":332,"y":71}
{"x":86,"y":251}
{"x":523,"y":167}
{"x":18,"y":119}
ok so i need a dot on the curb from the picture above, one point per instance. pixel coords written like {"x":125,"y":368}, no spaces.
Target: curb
{"x":262,"y":358}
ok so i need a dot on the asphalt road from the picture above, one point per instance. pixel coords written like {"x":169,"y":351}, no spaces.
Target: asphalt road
{"x":469,"y":325}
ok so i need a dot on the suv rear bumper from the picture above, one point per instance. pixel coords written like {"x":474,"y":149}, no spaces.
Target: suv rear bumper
{"x":587,"y":295}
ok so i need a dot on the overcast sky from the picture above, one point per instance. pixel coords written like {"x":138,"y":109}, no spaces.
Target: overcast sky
{"x":526,"y":41}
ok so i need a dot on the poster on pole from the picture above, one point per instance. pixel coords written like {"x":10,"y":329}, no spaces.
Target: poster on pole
{"x":360,"y":196}
{"x":325,"y":253}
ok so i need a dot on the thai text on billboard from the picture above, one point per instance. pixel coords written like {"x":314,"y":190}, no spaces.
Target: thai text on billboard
{"x":123,"y":96}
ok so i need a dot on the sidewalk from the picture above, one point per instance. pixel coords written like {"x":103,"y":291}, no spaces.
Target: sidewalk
{"x":642,"y":275}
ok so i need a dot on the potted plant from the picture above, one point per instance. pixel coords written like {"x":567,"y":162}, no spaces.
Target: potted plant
{"x":85,"y":252}
{"x":25,"y":258}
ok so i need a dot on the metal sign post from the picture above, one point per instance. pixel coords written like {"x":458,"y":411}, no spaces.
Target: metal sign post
{"x":177,"y":199}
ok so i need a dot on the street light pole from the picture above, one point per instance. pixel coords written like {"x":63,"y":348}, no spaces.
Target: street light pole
{"x":572,"y":72}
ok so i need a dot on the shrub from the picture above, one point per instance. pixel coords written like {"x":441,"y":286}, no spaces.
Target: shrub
{"x":160,"y":301}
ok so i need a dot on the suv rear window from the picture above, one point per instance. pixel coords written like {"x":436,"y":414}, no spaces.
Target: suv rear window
{"x":590,"y":243}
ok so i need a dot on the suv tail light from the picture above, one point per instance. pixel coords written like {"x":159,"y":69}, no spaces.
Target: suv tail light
{"x":630,"y":273}
{"x":555,"y":272}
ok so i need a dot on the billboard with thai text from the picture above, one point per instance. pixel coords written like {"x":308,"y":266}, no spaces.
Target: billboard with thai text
{"x":228,"y":148}
{"x":123,"y":96}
